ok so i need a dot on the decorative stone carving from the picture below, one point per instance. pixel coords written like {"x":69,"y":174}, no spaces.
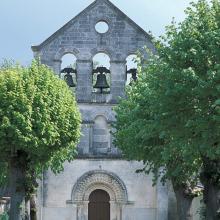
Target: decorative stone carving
{"x":99,"y":179}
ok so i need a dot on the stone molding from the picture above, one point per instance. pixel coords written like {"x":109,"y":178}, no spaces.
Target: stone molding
{"x":99,"y":179}
{"x":66,"y":50}
{"x":104,"y":50}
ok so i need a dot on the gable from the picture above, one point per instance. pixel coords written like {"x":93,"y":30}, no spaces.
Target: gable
{"x":98,"y":10}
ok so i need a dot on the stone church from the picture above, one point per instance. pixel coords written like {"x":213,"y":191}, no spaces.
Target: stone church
{"x":99,"y":184}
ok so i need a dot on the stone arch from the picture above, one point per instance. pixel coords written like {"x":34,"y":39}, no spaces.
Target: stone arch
{"x":65,"y":50}
{"x":99,"y":179}
{"x":100,"y":60}
{"x":106,"y":51}
{"x":110,"y":116}
{"x":102,"y":116}
{"x":127,"y":54}
{"x":131,"y":56}
{"x":131,"y":52}
{"x":110,"y":192}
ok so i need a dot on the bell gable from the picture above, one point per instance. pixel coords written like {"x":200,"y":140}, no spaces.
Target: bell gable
{"x":122,"y":38}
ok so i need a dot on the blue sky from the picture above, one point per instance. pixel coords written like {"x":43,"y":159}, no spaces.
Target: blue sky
{"x":28,"y":22}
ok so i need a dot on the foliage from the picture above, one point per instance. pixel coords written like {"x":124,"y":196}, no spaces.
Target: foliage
{"x":38,"y":116}
{"x":3,"y":174}
{"x":4,"y":216}
{"x":171,"y":117}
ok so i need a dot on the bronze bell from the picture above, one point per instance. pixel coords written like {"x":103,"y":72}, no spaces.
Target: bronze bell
{"x":101,"y":82}
{"x":133,"y":73}
{"x":69,"y":80}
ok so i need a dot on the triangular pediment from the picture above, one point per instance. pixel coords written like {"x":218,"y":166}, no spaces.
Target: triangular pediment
{"x":96,"y":3}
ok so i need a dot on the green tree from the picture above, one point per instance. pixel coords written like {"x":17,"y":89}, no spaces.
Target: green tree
{"x":39,"y":127}
{"x":171,"y":117}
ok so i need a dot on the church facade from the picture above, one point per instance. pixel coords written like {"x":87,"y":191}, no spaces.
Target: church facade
{"x":99,"y":184}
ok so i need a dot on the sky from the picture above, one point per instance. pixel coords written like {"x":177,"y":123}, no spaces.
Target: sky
{"x":24,"y":23}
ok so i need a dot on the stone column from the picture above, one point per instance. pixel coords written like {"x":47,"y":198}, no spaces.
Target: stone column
{"x":84,"y":144}
{"x":82,"y":211}
{"x":114,"y":211}
{"x":162,"y":201}
{"x":118,"y":79}
{"x":84,"y":80}
{"x":57,"y":66}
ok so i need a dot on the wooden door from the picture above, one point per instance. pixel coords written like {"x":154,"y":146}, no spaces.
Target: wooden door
{"x":99,"y":206}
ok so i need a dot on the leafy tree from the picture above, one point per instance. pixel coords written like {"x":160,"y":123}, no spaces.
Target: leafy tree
{"x":171,"y":117}
{"x":4,"y":216}
{"x":39,"y":127}
{"x":141,"y":134}
{"x":3,"y":177}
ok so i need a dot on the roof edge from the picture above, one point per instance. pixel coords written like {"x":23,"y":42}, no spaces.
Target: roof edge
{"x":36,"y":48}
{"x":133,"y":23}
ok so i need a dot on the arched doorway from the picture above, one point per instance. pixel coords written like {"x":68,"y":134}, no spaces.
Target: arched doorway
{"x":99,"y":206}
{"x":106,"y":181}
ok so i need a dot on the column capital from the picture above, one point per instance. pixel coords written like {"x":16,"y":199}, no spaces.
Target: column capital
{"x":118,"y":61}
{"x":83,"y":61}
{"x":57,"y":61}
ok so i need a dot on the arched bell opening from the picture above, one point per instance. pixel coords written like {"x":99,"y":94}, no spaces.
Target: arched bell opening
{"x":131,"y":69}
{"x":68,"y":70}
{"x":99,"y":205}
{"x":101,"y":73}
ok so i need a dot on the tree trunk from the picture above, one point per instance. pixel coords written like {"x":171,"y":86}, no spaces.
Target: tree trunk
{"x":184,"y":203}
{"x":27,"y":209}
{"x":33,"y":204}
{"x":212,"y":201}
{"x":210,"y":178}
{"x":17,"y":186}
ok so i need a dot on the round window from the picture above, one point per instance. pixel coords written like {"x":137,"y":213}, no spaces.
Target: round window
{"x":101,"y":27}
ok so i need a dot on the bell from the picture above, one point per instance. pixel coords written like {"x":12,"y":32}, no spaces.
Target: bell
{"x":133,"y":73}
{"x":69,"y":80}
{"x":101,"y":82}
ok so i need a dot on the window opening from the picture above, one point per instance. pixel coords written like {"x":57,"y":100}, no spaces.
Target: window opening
{"x":101,"y":73}
{"x":101,"y":27}
{"x":68,"y":70}
{"x":131,"y":69}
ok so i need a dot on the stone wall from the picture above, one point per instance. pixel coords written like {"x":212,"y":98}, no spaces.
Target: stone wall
{"x":97,"y":142}
{"x":138,"y":198}
{"x":79,"y":37}
{"x":98,"y":156}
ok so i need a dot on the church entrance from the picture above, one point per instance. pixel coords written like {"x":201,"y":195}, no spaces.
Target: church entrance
{"x":99,"y":206}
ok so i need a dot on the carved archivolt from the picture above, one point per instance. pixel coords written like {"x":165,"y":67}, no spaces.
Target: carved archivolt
{"x":99,"y":179}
